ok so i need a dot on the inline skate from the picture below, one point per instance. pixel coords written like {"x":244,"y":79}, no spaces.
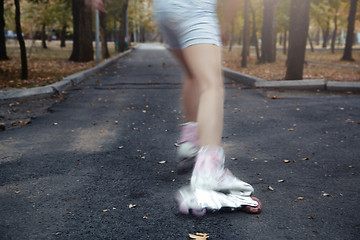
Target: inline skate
{"x":215,"y":188}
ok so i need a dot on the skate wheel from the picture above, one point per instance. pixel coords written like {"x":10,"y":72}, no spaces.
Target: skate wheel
{"x":198,"y":212}
{"x":257,"y":209}
{"x":182,"y":207}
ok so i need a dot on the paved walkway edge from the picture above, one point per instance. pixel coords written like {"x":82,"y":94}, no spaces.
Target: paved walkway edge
{"x":313,"y":84}
{"x":58,"y":87}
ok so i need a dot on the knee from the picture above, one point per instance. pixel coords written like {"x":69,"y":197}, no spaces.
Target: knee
{"x":212,"y":83}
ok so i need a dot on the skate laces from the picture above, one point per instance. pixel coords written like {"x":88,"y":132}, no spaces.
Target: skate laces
{"x":209,"y":163}
{"x":209,"y":173}
{"x":188,"y":133}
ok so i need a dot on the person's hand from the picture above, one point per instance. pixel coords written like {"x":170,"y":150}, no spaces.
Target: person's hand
{"x":96,"y":4}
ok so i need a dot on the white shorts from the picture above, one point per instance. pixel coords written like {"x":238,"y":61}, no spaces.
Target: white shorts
{"x":187,"y":22}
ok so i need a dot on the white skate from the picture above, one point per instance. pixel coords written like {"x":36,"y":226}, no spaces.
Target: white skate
{"x":214,"y":188}
{"x":188,"y":147}
{"x":199,"y":201}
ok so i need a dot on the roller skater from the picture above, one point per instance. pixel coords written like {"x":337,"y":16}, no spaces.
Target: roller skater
{"x":190,"y":28}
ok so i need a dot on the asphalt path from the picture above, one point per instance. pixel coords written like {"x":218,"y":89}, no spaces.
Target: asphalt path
{"x":100,"y":164}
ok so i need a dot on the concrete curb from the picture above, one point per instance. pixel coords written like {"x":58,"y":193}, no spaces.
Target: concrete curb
{"x":343,"y":86}
{"x":58,"y":87}
{"x":313,"y":84}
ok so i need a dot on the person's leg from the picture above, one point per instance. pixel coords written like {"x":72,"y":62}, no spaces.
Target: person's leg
{"x":190,"y":91}
{"x":203,"y":90}
{"x":203,"y":63}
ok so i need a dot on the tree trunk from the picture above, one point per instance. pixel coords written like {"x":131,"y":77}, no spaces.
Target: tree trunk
{"x":231,"y":41}
{"x":3,"y":55}
{"x":254,"y":38}
{"x":104,"y":48}
{"x":317,"y":38}
{"x":285,"y":42}
{"x":245,"y":48}
{"x":268,"y":32}
{"x":43,"y":36}
{"x":24,"y":68}
{"x":326,"y":33}
{"x":82,"y":47}
{"x":350,"y":32}
{"x":299,"y":26}
{"x":63,"y":36}
{"x":310,"y":42}
{"x":123,"y":30}
{"x":333,"y":39}
{"x":75,"y":13}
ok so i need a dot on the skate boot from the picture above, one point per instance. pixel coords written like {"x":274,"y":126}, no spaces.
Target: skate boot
{"x":188,"y":147}
{"x":200,"y":201}
{"x":214,"y":188}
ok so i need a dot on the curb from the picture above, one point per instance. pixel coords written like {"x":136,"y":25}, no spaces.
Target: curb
{"x":313,"y":84}
{"x":58,"y":87}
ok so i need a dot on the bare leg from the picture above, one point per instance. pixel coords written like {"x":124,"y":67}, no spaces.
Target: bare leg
{"x":190,"y":91}
{"x":203,"y":63}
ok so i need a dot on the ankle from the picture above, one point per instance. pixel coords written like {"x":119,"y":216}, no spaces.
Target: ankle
{"x":188,"y":133}
{"x":210,"y":159}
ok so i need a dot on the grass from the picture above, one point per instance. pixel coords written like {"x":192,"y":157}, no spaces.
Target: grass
{"x":45,"y":66}
{"x":336,"y":70}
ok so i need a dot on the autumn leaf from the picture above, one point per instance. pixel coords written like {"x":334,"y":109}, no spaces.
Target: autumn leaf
{"x":199,"y":236}
{"x":132,"y":205}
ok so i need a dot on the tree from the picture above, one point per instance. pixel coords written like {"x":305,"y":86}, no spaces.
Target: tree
{"x":123,"y":30}
{"x":3,"y":55}
{"x":82,"y":39}
{"x":350,"y":32}
{"x":24,"y":68}
{"x":64,"y":18}
{"x":268,"y":32}
{"x":104,"y":48}
{"x":299,"y":25}
{"x":246,"y":39}
{"x":333,"y":38}
{"x":254,"y":39}
{"x":283,"y":19}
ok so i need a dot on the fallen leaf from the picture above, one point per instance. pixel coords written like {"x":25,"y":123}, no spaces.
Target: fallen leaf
{"x":300,"y":198}
{"x":199,"y":236}
{"x":286,"y":161}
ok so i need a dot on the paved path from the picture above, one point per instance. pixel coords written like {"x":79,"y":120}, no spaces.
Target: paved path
{"x":73,"y":173}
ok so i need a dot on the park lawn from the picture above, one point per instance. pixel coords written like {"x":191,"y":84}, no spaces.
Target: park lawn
{"x":45,"y":66}
{"x":50,"y":65}
{"x":276,"y":71}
